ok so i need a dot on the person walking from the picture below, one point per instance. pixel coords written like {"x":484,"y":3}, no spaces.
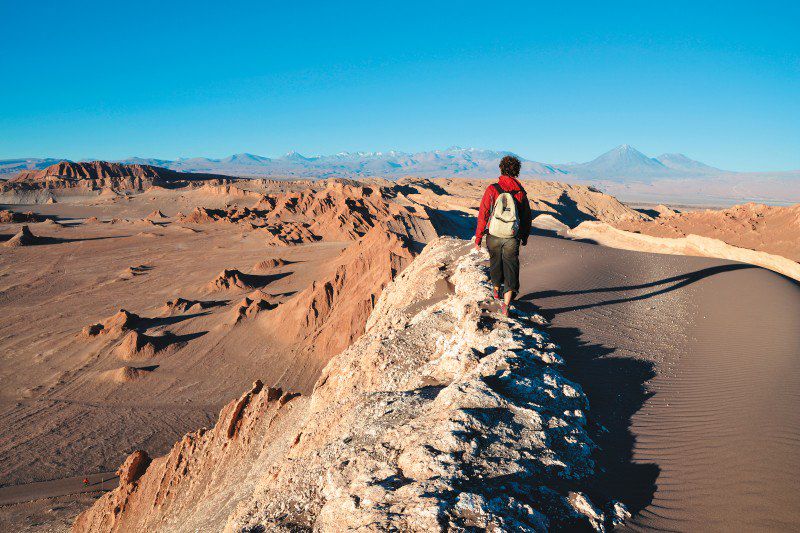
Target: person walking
{"x":505,"y":216}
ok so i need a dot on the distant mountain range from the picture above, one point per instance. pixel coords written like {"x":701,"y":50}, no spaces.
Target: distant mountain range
{"x":627,"y":162}
{"x":624,"y":163}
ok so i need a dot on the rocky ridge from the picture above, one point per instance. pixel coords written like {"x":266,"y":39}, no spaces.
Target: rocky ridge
{"x":443,"y":415}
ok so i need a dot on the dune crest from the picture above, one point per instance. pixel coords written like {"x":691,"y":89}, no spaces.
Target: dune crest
{"x":698,"y":245}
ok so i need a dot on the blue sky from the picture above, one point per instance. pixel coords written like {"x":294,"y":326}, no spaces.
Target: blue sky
{"x":718,"y":81}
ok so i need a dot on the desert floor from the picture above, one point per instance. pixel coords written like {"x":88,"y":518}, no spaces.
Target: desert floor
{"x":63,"y":412}
{"x":692,"y":366}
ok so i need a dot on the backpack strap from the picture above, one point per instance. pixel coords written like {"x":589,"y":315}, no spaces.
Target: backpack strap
{"x":498,"y":188}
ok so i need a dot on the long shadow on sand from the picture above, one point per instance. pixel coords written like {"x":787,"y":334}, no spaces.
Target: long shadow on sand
{"x":674,"y":283}
{"x":41,"y":241}
{"x":261,"y":280}
{"x":147,"y":322}
{"x":615,"y":387}
{"x":104,"y":481}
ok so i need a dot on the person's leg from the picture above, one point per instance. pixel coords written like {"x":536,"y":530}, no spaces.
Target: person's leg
{"x":510,"y":260}
{"x":495,"y":247}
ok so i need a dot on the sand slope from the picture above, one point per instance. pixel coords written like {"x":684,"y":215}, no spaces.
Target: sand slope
{"x":700,"y":357}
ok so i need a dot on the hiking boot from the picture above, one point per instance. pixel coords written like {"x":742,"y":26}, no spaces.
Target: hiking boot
{"x":504,"y":309}
{"x":496,"y":293}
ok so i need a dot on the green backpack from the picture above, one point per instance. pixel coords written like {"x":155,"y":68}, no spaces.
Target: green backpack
{"x":504,"y":222}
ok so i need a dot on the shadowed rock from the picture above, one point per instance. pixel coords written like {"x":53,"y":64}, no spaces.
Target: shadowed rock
{"x":232,"y":279}
{"x":13,"y":217}
{"x":183,"y":305}
{"x":23,"y":238}
{"x":137,"y":345}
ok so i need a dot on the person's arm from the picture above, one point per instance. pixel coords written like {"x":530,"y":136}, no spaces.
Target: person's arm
{"x":483,"y":215}
{"x":525,"y":219}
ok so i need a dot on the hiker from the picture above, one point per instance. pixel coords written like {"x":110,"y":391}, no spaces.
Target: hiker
{"x":505,"y":215}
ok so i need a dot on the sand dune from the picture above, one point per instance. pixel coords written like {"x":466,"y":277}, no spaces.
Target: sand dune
{"x":690,"y":365}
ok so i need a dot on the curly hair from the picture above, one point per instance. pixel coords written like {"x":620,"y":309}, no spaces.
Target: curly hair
{"x":509,"y":166}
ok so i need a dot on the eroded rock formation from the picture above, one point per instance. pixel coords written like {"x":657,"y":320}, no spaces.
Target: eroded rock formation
{"x":114,"y":326}
{"x":269,"y":264}
{"x":335,"y":210}
{"x":443,"y":415}
{"x":12,"y":217}
{"x":327,"y":316}
{"x":24,"y":237}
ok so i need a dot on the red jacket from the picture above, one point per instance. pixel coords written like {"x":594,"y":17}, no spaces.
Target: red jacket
{"x":512,"y":185}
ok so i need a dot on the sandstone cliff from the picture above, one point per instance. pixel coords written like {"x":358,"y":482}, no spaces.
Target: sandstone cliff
{"x":443,"y":415}
{"x":329,"y":315}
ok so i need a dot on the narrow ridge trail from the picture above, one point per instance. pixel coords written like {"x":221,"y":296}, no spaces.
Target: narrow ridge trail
{"x":692,"y":368}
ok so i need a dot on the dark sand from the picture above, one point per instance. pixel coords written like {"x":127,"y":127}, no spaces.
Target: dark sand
{"x":692,"y":365}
